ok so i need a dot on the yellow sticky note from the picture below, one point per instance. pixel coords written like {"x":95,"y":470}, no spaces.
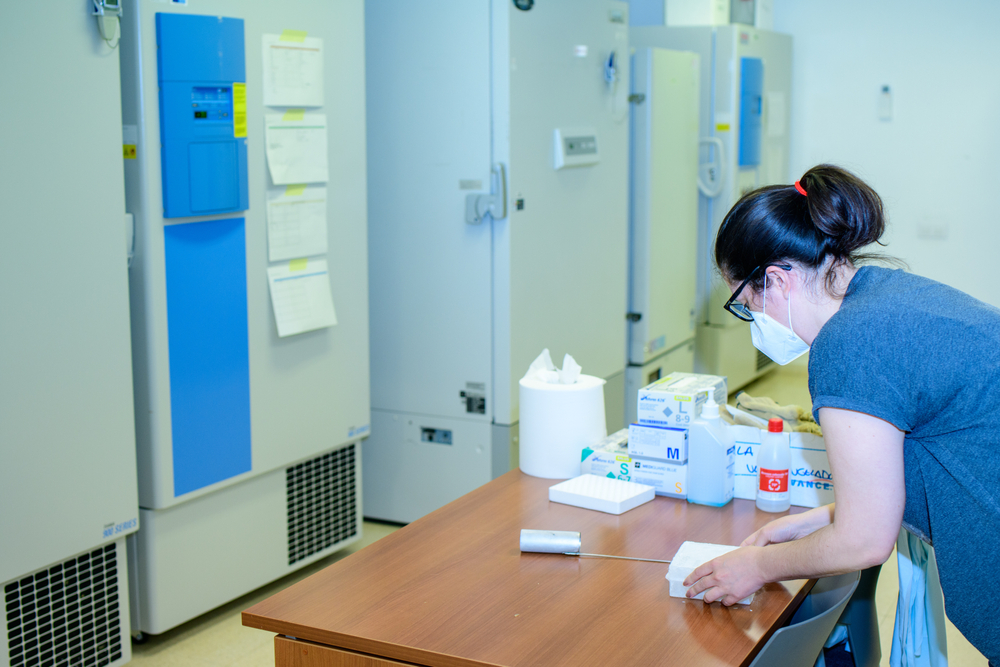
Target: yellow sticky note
{"x":294,"y":114}
{"x":298,"y":264}
{"x":128,"y":151}
{"x":295,"y":190}
{"x":722,"y":127}
{"x":293,"y":36}
{"x":239,"y":109}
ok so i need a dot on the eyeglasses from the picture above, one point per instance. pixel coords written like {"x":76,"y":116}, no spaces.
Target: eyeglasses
{"x":740,"y":310}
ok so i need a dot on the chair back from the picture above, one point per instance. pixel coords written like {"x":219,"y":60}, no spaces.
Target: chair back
{"x":798,"y":644}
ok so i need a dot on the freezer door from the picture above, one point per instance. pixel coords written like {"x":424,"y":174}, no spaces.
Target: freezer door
{"x":561,"y":257}
{"x":664,"y":222}
{"x":428,"y":78}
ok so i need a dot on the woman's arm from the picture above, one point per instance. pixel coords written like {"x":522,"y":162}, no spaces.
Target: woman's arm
{"x":866,"y":458}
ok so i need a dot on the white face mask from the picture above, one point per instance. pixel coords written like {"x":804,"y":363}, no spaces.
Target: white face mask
{"x":774,"y":339}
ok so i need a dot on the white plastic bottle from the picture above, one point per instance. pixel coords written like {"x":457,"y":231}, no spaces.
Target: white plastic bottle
{"x":773,"y":459}
{"x":711,"y":457}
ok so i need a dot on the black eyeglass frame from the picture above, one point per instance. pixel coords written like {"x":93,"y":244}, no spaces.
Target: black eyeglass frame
{"x":739,"y":310}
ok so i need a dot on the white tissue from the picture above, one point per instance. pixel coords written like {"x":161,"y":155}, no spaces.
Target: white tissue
{"x":570,"y":372}
{"x":561,"y":412}
{"x":544,"y":370}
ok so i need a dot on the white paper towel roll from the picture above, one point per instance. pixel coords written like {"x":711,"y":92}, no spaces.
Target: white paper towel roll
{"x":557,"y":421}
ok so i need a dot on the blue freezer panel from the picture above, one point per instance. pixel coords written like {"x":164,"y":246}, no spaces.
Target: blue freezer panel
{"x":200,"y":58}
{"x":209,"y":352}
{"x":751,"y":106}
{"x":199,"y":48}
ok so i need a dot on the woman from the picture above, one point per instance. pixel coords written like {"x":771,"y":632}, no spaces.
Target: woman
{"x":904,"y":375}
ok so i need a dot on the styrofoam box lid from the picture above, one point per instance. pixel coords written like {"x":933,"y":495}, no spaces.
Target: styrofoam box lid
{"x":604,"y":494}
{"x":687,"y":559}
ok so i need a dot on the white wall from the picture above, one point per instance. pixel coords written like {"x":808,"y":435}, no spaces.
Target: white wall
{"x":936,"y":163}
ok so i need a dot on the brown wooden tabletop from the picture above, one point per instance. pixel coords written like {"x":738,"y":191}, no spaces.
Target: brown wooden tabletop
{"x":453,"y":589}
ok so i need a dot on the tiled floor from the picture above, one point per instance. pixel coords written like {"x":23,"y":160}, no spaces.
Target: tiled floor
{"x":217,"y":639}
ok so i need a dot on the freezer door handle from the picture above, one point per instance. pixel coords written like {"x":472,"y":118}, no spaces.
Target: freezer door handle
{"x":710,"y":174}
{"x":477,"y":206}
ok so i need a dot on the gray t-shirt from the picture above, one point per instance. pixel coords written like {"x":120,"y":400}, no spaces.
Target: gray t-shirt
{"x":926,"y":358}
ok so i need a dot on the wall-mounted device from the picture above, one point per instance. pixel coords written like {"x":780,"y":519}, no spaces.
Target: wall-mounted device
{"x":576,"y":147}
{"x":108,"y":13}
{"x":203,"y":129}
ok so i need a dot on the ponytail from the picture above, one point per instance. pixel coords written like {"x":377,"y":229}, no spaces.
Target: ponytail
{"x":837,"y":216}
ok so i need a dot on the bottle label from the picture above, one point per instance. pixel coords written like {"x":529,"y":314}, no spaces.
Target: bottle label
{"x":773,"y":481}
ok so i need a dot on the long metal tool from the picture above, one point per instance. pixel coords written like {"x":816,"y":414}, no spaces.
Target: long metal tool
{"x":564,"y":542}
{"x":647,"y":560}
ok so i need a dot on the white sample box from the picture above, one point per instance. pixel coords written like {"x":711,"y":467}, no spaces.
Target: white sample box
{"x":676,"y":399}
{"x":665,"y":443}
{"x":688,"y":558}
{"x":593,"y":492}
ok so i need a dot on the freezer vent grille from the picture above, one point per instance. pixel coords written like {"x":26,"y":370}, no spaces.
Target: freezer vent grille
{"x":67,"y":614}
{"x":322,"y":503}
{"x":763,"y":361}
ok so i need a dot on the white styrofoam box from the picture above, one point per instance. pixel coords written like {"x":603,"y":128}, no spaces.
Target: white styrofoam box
{"x":676,"y":399}
{"x":687,"y":559}
{"x":613,"y":460}
{"x":603,"y":494}
{"x":697,"y":12}
{"x":658,"y":442}
{"x":809,"y":476}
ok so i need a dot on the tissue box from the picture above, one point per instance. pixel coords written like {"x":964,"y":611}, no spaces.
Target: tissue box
{"x":688,"y":558}
{"x":809,"y":478}
{"x":676,"y":399}
{"x":658,"y":442}
{"x":610,"y":458}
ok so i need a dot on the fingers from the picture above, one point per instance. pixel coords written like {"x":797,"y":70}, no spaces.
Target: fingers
{"x":702,"y":585}
{"x":769,"y":534}
{"x":698,"y":573}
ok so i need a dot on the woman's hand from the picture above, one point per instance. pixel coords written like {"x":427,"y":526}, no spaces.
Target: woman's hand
{"x":791,"y":527}
{"x":729,"y":578}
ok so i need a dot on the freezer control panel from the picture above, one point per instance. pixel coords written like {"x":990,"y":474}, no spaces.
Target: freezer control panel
{"x":213,"y":105}
{"x":575,"y":147}
{"x":202,"y":75}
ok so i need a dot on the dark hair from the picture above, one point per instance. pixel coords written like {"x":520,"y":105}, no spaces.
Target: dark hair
{"x":778,"y":224}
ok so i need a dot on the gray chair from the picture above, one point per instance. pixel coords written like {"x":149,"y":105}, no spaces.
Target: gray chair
{"x":798,"y":644}
{"x":861,"y":619}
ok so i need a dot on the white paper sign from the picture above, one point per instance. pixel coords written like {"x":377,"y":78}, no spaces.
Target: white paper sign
{"x":301,"y":297}
{"x":296,"y":222}
{"x":296,"y":148}
{"x":293,"y":72}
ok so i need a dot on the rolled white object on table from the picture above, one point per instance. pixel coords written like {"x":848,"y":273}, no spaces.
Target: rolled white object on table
{"x":550,"y":541}
{"x":556,"y":422}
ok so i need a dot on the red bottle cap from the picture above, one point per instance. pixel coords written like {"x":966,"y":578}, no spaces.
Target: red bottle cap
{"x":775,"y":425}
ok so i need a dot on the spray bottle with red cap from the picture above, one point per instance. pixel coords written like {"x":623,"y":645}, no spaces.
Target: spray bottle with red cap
{"x":773,"y":460}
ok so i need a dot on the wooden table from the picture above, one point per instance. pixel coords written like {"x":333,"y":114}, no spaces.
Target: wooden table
{"x":454,"y":590}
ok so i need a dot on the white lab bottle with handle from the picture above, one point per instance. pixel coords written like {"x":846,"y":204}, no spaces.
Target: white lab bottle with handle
{"x":773,"y":460}
{"x":711,"y":458}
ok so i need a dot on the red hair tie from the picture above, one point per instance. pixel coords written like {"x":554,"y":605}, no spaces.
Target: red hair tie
{"x":801,"y":190}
